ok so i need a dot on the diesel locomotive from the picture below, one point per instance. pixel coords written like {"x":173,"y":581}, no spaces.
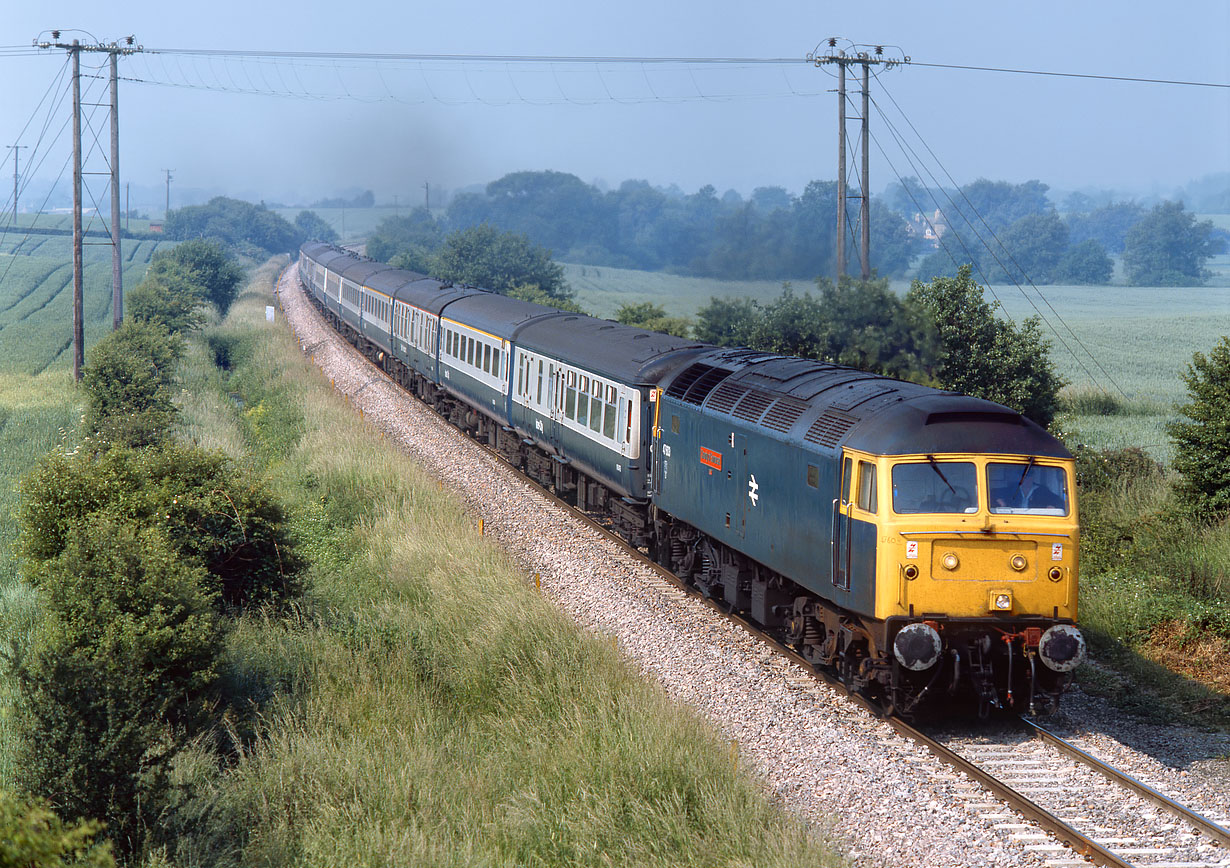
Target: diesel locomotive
{"x":922,"y":543}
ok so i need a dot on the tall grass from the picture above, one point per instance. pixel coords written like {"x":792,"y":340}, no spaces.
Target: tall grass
{"x":426,"y":705}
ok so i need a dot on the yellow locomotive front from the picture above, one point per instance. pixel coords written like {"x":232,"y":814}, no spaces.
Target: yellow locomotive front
{"x":976,"y":577}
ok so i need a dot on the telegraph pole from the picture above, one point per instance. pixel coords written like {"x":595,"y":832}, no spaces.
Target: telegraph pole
{"x":854,"y":55}
{"x":427,"y":195}
{"x":16,"y":149}
{"x":167,"y":210}
{"x":117,"y":266}
{"x":113,"y":49}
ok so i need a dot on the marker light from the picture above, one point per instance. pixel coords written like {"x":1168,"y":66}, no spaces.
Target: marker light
{"x":1018,"y":562}
{"x":1055,"y":574}
{"x":950,"y":561}
{"x":911,"y":572}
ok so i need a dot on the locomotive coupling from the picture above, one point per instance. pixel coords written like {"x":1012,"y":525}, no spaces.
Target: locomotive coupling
{"x":1062,"y":648}
{"x":917,"y":647}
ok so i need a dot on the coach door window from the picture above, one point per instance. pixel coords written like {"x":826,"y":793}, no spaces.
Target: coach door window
{"x":611,"y":410}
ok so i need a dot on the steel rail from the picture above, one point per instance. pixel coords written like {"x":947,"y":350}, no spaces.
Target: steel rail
{"x":1061,"y":831}
{"x":1214,"y":831}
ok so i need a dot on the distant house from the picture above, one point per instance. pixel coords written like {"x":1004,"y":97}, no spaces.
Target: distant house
{"x":155,"y":226}
{"x":931,"y":228}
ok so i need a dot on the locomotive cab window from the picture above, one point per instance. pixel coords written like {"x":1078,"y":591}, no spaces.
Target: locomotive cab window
{"x":847,"y":473}
{"x":867,"y":499}
{"x":935,"y":487}
{"x":1027,"y":489}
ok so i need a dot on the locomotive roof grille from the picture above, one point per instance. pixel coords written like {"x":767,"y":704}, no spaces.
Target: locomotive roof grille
{"x":695,"y":383}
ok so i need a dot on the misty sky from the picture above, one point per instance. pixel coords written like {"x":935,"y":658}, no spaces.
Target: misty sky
{"x":392,"y":126}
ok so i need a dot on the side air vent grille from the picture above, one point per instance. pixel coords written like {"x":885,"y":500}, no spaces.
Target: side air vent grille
{"x":724,"y":398}
{"x":783,"y":414}
{"x":753,"y":405}
{"x":829,"y":429}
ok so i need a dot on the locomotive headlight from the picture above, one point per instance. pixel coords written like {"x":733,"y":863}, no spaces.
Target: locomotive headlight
{"x":1062,"y":648}
{"x":1018,"y":562}
{"x":917,"y":647}
{"x":1001,"y":601}
{"x":950,"y":561}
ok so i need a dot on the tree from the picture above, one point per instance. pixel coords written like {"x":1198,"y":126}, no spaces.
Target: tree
{"x":1108,"y":225}
{"x":485,"y":257}
{"x":417,"y":235}
{"x":312,"y":226}
{"x":129,"y":381}
{"x":771,"y":198}
{"x":648,"y":315}
{"x":1085,"y":263}
{"x":1168,"y":247}
{"x":984,"y":356}
{"x":207,"y":265}
{"x":727,"y":322}
{"x":248,"y":227}
{"x":534,"y":295}
{"x":1034,"y":245}
{"x":120,"y":676}
{"x":1202,"y":440}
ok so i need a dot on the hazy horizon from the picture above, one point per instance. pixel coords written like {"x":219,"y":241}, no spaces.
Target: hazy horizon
{"x":295,"y":130}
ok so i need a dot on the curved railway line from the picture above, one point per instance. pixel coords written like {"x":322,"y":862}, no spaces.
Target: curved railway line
{"x":1052,"y":785}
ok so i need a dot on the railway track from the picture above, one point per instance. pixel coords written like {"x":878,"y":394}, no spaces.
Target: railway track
{"x":1026,"y":770}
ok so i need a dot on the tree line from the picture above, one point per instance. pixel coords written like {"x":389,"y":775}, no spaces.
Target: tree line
{"x":778,"y":235}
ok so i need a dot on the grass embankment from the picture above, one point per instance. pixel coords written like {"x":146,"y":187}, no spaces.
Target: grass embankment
{"x":1155,"y":593}
{"x":425,"y":705}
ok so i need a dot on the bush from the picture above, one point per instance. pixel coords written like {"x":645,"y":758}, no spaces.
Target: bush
{"x":1202,"y":443}
{"x":216,"y":515}
{"x":31,"y":836}
{"x":120,"y":675}
{"x":1107,"y":469}
{"x":128,"y":382}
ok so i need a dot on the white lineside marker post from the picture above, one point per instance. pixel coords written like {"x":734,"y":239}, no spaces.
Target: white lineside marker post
{"x":269,"y":313}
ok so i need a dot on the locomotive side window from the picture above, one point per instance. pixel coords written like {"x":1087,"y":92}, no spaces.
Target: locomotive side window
{"x":935,"y":486}
{"x":813,"y":473}
{"x":867,"y":499}
{"x":1027,"y":489}
{"x":847,"y":468}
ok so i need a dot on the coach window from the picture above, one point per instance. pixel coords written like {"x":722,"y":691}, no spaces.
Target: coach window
{"x":487,"y":358}
{"x":570,"y":406}
{"x":612,"y":412}
{"x":470,"y":344}
{"x":495,"y":361}
{"x":583,"y":401}
{"x":540,"y":382}
{"x":628,"y":422}
{"x":867,"y":486}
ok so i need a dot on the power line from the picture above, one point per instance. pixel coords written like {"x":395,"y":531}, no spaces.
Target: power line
{"x":1088,"y":75}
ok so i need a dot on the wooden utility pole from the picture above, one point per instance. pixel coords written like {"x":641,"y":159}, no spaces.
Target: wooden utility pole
{"x":113,"y":49}
{"x":78,"y":260}
{"x":117,"y":265}
{"x":853,"y":55}
{"x":167,"y":210}
{"x":16,"y":151}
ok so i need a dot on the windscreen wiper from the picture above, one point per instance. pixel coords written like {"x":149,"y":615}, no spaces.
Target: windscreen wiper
{"x":935,"y":465}
{"x":1021,"y":481}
